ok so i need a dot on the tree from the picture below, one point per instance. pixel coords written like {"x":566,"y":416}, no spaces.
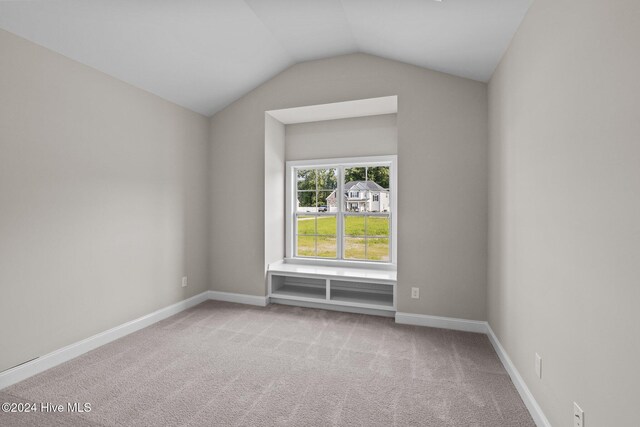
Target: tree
{"x":312,"y":182}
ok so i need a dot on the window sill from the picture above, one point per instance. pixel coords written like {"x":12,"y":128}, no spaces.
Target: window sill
{"x":339,"y":269}
{"x":365,"y":265}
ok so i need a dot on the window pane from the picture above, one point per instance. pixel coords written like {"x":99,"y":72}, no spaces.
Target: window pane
{"x":355,"y":174}
{"x":327,"y":179}
{"x":327,"y":225}
{"x":378,"y":226}
{"x":323,"y":200}
{"x":327,"y":247}
{"x":356,"y":191}
{"x":378,"y":185}
{"x":306,"y":179}
{"x":354,"y":248}
{"x":378,"y":199}
{"x":306,"y":246}
{"x":354,"y":225}
{"x":379,"y":175}
{"x":330,"y":201}
{"x":306,"y":224}
{"x":306,"y":201}
{"x":378,"y":249}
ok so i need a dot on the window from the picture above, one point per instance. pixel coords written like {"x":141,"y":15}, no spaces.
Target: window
{"x":341,"y":210}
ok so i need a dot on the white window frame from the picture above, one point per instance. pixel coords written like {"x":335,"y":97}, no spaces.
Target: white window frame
{"x":341,"y":164}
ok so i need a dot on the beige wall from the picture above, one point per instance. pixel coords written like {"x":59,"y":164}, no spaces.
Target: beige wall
{"x":354,"y":137}
{"x":565,"y":207}
{"x":442,"y":157}
{"x":103,"y":201}
{"x":274,"y":190}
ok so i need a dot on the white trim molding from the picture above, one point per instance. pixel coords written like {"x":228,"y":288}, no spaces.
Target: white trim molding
{"x":261,"y":301}
{"x":64,"y":354}
{"x":41,"y":364}
{"x":534,"y":409}
{"x":340,"y":164}
{"x":476,"y":326}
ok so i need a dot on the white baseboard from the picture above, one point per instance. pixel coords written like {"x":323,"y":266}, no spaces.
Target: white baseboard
{"x":533,"y":407}
{"x":42,"y":363}
{"x":442,"y":322}
{"x":483,"y":328}
{"x":33,"y":367}
{"x":239,"y":298}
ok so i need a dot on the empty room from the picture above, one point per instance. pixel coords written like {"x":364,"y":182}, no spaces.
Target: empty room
{"x":320,"y":213}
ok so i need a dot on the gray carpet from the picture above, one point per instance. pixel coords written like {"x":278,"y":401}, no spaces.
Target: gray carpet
{"x":227,"y":364}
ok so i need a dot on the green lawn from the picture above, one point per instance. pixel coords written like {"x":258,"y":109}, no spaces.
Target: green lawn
{"x":376,"y":249}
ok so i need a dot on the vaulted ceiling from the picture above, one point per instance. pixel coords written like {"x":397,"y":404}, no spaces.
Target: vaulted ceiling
{"x":205,"y":54}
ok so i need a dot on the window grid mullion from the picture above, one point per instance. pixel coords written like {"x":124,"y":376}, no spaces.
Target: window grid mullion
{"x":315,"y":235}
{"x":341,"y":214}
{"x":366,"y":224}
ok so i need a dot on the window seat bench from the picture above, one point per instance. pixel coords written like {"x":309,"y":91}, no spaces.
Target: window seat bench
{"x":339,"y":288}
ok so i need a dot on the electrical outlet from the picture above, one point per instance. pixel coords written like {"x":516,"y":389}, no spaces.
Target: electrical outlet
{"x":184,"y":282}
{"x":538,"y":366}
{"x":578,"y":416}
{"x":415,"y":293}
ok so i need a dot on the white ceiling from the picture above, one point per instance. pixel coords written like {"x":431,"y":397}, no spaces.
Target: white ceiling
{"x":204,"y":54}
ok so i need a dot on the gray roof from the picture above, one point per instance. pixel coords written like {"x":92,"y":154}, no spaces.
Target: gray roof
{"x":363,"y":185}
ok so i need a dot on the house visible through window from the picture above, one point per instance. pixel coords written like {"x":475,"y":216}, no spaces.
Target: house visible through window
{"x":341,"y":211}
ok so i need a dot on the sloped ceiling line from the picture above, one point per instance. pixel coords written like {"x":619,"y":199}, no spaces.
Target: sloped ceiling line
{"x":203,"y":55}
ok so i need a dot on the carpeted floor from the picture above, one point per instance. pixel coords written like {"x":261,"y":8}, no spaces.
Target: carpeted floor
{"x":223,"y":364}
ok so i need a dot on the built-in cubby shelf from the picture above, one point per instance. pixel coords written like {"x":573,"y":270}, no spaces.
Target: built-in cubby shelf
{"x":333,"y":286}
{"x":299,"y":287}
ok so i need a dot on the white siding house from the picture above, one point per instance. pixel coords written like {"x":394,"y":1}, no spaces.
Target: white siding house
{"x":361,"y":196}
